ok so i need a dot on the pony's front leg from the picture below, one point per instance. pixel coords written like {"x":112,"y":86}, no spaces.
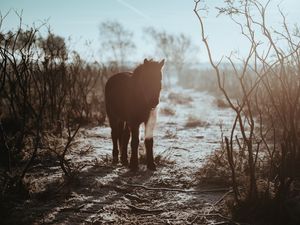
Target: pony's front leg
{"x":115,"y":152}
{"x":125,"y":140}
{"x":149,"y":128}
{"x":134,"y":147}
{"x":149,"y":154}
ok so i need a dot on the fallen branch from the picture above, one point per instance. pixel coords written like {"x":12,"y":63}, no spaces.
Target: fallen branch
{"x":142,"y":210}
{"x":71,"y":209}
{"x":180,"y":148}
{"x":195,"y":219}
{"x":135,"y":198}
{"x":216,"y":214}
{"x":222,"y":198}
{"x":177,"y":189}
{"x":222,"y":223}
{"x":202,"y":216}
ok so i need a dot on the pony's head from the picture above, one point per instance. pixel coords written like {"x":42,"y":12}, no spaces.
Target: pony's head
{"x":148,"y":77}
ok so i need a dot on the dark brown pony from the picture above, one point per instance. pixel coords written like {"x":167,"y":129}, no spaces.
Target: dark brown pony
{"x":131,"y":99}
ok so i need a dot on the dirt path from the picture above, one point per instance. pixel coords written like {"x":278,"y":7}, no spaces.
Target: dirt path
{"x":188,"y":130}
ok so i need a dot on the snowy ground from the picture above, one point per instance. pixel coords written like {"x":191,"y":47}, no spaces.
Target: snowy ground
{"x":188,"y":129}
{"x":174,"y":138}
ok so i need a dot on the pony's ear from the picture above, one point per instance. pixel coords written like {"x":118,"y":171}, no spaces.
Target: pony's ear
{"x":145,"y":61}
{"x":161,"y":63}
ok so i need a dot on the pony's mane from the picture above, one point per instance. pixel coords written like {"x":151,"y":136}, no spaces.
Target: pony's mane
{"x":142,"y":67}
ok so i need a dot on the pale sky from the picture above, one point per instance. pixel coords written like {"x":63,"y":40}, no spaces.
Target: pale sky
{"x":80,"y":19}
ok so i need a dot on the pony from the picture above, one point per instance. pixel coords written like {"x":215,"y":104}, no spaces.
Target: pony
{"x":131,"y":99}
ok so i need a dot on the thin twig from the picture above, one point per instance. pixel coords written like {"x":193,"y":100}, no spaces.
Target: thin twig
{"x":222,"y":198}
{"x":142,"y":210}
{"x":177,"y":189}
{"x":195,"y":219}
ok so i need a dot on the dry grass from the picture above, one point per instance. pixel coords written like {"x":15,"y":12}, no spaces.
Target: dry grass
{"x":167,"y":111}
{"x":178,"y":98}
{"x":193,"y":122}
{"x":215,"y":170}
{"x":221,"y":103}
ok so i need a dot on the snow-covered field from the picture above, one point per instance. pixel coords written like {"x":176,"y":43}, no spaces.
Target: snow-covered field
{"x":187,"y":130}
{"x":186,"y":137}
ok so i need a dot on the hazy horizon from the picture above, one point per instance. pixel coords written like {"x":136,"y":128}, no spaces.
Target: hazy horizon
{"x":80,"y":20}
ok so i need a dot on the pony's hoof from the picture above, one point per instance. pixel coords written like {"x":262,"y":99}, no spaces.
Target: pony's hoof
{"x":133,"y":167}
{"x":124,"y":162}
{"x":115,"y":161}
{"x":151,"y":167}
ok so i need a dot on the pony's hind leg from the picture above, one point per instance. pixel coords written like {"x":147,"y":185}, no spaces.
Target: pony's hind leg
{"x":124,"y":144}
{"x":115,"y":151}
{"x":116,"y":133}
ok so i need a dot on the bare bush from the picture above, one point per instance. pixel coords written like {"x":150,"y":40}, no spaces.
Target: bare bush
{"x":42,"y":92}
{"x":266,"y":123}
